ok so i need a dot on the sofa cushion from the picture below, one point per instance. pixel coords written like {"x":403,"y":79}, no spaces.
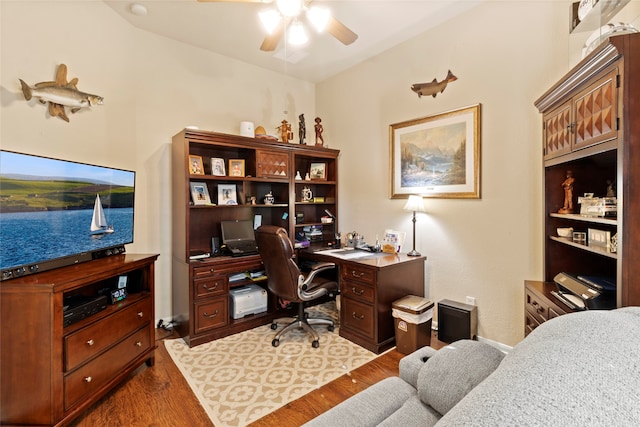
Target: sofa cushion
{"x":412,"y":413}
{"x":453,"y":371}
{"x":579,"y":369}
{"x":369,"y":407}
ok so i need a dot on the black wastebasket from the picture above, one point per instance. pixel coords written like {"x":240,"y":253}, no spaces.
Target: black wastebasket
{"x":412,"y":315}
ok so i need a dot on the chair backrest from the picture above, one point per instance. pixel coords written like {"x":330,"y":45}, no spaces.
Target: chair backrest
{"x":276,"y":252}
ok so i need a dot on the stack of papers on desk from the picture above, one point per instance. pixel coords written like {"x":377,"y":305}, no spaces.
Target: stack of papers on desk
{"x":345,"y":253}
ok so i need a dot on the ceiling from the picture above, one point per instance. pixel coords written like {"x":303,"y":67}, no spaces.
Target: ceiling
{"x":233,"y":29}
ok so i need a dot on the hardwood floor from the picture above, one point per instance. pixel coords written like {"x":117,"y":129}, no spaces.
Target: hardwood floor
{"x":160,"y":396}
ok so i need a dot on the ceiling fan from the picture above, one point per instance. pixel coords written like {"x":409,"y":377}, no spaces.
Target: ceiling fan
{"x":288,"y":15}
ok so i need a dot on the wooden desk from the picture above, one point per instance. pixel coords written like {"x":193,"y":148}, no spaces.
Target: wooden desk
{"x":368,"y":287}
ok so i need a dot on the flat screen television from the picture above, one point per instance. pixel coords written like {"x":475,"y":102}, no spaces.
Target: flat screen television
{"x":55,"y":212}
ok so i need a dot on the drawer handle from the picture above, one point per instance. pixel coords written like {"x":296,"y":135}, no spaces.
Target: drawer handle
{"x":87,"y":379}
{"x":355,"y":316}
{"x":140,"y":314}
{"x":206,"y":288}
{"x":538,"y":308}
{"x":353,"y":273}
{"x":356,"y":292}
{"x":215,"y":313}
{"x":138,"y":343}
{"x":90,"y":342}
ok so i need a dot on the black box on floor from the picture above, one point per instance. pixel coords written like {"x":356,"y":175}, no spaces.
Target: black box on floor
{"x":457,"y":321}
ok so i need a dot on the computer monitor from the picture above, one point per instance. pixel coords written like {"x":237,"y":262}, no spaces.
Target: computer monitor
{"x":236,"y":231}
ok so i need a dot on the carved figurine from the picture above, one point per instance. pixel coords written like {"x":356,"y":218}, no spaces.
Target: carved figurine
{"x":319,"y":129}
{"x":302,"y":130}
{"x":285,"y":131}
{"x":567,"y":185}
{"x":432,"y":88}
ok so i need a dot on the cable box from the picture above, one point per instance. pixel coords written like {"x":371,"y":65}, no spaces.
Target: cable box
{"x":78,"y":307}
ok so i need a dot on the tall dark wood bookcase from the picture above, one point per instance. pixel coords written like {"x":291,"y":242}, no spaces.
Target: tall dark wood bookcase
{"x":201,"y":287}
{"x":591,"y":127}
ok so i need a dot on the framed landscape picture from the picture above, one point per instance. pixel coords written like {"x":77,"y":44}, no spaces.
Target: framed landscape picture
{"x":200,"y":193}
{"x":437,"y":156}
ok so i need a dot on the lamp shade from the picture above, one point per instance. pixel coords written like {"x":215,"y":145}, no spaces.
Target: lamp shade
{"x":415,"y":204}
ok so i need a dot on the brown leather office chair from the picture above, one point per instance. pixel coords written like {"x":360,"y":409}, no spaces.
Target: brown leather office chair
{"x":287,"y":282}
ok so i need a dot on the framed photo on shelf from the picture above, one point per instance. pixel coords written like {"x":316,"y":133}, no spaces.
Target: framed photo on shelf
{"x":318,"y":171}
{"x":200,"y":194}
{"x":195,"y":165}
{"x":227,"y":194}
{"x":437,"y":156}
{"x":217,"y":167}
{"x":236,"y":167}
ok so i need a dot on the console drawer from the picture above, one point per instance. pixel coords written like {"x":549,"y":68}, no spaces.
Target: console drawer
{"x":90,"y":341}
{"x":357,"y":317}
{"x":357,"y":291}
{"x":92,"y":376}
{"x":537,"y":309}
{"x":212,"y":314}
{"x":200,"y":272}
{"x":210,"y":286}
{"x":359,"y":273}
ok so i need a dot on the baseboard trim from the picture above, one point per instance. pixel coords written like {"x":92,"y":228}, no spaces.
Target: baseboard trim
{"x":500,"y":346}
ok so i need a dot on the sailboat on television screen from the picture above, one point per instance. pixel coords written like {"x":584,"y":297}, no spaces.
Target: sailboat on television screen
{"x":99,"y":221}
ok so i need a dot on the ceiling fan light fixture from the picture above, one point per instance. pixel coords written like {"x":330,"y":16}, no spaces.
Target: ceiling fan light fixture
{"x":319,"y":17}
{"x":289,"y":8}
{"x":297,"y":36}
{"x":270,"y":19}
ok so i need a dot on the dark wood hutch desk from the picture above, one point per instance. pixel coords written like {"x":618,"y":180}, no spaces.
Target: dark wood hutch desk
{"x":368,"y":286}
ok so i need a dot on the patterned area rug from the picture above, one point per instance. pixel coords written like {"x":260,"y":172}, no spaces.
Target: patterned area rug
{"x":241,"y":378}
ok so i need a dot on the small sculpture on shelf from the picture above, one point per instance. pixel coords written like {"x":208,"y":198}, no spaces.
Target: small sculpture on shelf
{"x":302,"y":130}
{"x":307,"y":195}
{"x":319,"y":129}
{"x":285,"y":131}
{"x":567,"y":185}
{"x":269,"y":199}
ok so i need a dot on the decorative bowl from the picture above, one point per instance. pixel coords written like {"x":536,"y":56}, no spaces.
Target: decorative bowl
{"x":565,"y":232}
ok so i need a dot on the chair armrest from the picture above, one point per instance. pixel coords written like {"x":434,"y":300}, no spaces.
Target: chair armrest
{"x":317,"y":268}
{"x":411,"y":364}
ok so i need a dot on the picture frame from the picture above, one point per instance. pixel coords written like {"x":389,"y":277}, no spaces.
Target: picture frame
{"x":200,"y":194}
{"x":217,"y":167}
{"x":437,"y":156}
{"x":236,"y":167}
{"x":318,"y":171}
{"x":195,"y":165}
{"x":227,"y":194}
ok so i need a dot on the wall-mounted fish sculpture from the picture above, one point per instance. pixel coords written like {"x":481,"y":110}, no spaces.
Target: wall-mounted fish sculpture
{"x":434,"y":87}
{"x":60,"y":94}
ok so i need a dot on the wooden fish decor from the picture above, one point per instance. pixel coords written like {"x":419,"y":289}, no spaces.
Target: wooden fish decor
{"x":434,"y":87}
{"x":60,"y":94}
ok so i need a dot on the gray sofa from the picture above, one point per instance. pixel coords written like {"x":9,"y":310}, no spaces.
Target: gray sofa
{"x":580,"y":369}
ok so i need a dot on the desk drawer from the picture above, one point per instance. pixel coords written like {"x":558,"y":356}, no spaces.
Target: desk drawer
{"x":210,"y":286}
{"x":362,"y":274}
{"x":212,"y":314}
{"x":357,"y":317}
{"x":357,"y":291}
{"x":92,"y":376}
{"x":90,"y":341}
{"x":535,"y":306}
{"x":200,"y":272}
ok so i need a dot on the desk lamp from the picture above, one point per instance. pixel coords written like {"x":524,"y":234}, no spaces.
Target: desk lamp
{"x":415,"y":204}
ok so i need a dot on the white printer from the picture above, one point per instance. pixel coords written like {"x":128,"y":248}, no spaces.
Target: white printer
{"x":249,"y":299}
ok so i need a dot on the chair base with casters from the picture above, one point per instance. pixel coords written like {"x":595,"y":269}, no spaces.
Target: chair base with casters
{"x":301,"y":321}
{"x":285,"y":280}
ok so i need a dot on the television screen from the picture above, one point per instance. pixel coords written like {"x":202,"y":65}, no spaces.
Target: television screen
{"x":56,"y":212}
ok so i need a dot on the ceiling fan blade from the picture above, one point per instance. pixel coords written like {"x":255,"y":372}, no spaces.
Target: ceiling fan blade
{"x":272,"y":40}
{"x":340,"y":31}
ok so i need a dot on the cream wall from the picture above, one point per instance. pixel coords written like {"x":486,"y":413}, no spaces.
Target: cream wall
{"x":505,"y":55}
{"x":153,"y":87}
